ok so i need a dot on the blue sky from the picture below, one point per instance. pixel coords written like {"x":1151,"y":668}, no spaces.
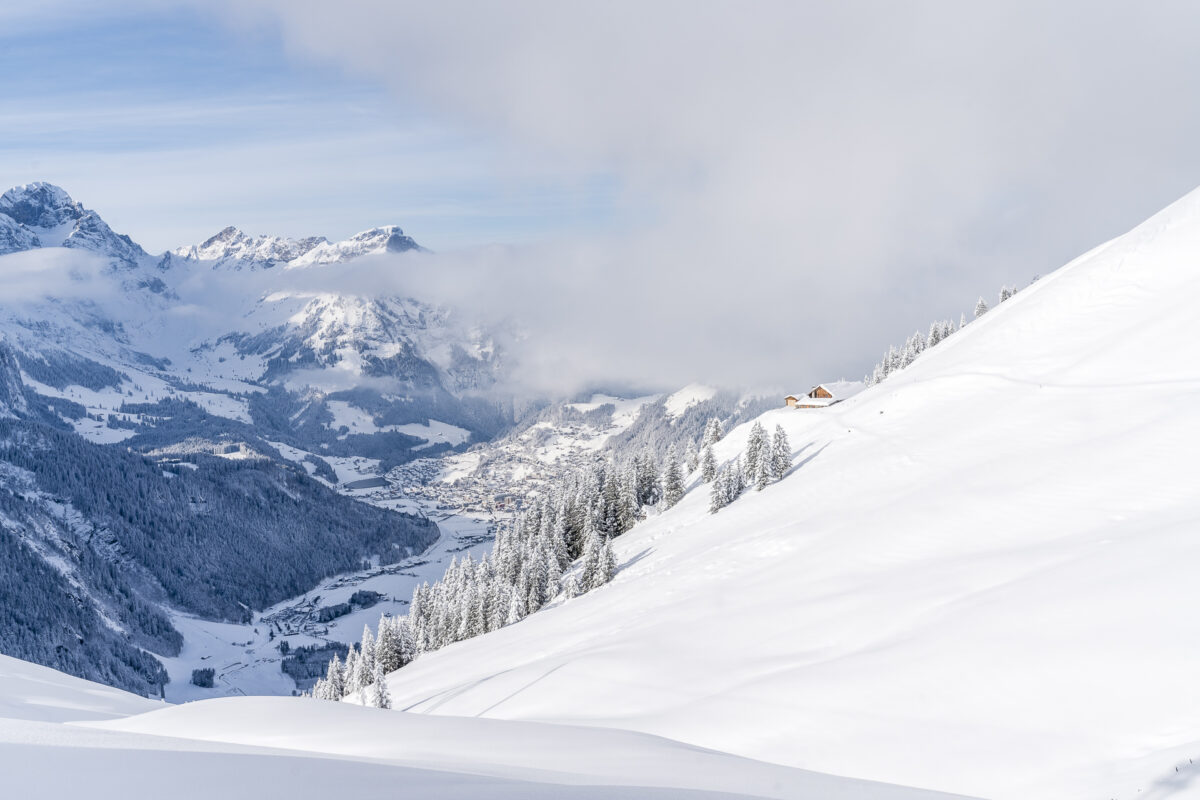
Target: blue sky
{"x":172,"y":124}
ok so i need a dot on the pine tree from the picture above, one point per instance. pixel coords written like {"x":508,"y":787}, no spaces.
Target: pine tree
{"x":498,"y":608}
{"x":713,"y":433}
{"x":672,"y":480}
{"x":962,"y":321}
{"x":718,"y":494}
{"x":379,"y":696}
{"x":648,"y":487}
{"x":781,"y":453}
{"x":708,"y":466}
{"x":591,"y":560}
{"x":737,"y":480}
{"x":516,"y":608}
{"x":691,"y":457}
{"x":553,"y":575}
{"x":387,"y":647}
{"x":764,"y":474}
{"x":350,"y":683}
{"x":335,"y":680}
{"x":627,"y":513}
{"x":755,"y":447}
{"x":981,"y":308}
{"x":406,"y":642}
{"x":364,"y":665}
{"x":606,"y":565}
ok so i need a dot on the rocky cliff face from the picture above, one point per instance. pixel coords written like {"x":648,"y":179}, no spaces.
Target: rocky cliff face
{"x":43,"y":215}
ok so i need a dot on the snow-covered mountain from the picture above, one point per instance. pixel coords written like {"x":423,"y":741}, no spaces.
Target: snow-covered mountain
{"x":232,"y":249}
{"x":978,"y":577}
{"x":43,"y":215}
{"x":99,"y":546}
{"x":239,"y":398}
{"x":241,"y":329}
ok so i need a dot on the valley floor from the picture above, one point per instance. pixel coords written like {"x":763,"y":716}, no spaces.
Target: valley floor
{"x":247,"y":659}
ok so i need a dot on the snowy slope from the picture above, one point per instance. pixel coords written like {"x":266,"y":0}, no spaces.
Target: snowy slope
{"x":61,"y":737}
{"x":979,"y":577}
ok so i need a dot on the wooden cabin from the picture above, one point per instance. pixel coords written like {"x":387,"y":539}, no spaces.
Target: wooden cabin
{"x":824,"y":394}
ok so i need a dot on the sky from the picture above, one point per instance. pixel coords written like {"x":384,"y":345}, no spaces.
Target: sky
{"x":752,"y":194}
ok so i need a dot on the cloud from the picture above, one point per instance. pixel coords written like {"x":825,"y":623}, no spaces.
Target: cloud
{"x":57,"y":272}
{"x":795,"y":185}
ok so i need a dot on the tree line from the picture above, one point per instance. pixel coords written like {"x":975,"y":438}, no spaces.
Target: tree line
{"x":897,"y":358}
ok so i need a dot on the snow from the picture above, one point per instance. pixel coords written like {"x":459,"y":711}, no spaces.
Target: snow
{"x":433,"y":432}
{"x":355,"y":420}
{"x":39,"y":694}
{"x":679,"y":402}
{"x":63,"y":737}
{"x":979,"y":577}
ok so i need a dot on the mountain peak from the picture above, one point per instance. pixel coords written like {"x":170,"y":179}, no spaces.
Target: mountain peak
{"x":40,"y":204}
{"x":233,"y":248}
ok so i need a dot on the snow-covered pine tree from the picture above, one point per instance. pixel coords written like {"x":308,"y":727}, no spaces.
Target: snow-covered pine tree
{"x":781,"y":453}
{"x":894,"y":360}
{"x":554,"y":574}
{"x":365,"y":663}
{"x":691,"y":457}
{"x":718,"y":494}
{"x":628,"y":510}
{"x":765,"y":472}
{"x":335,"y":680}
{"x":536,"y":580}
{"x":713,"y":433}
{"x":516,"y":607}
{"x":708,"y":466}
{"x":387,"y":647}
{"x":405,"y":640}
{"x":350,"y":683}
{"x":962,"y":321}
{"x":498,"y":607}
{"x":647,"y":487}
{"x":591,"y":560}
{"x":755,"y":447}
{"x":606,"y":565}
{"x":672,"y":480}
{"x":981,"y":308}
{"x":379,"y":696}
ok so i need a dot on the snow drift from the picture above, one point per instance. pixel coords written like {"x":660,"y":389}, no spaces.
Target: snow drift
{"x":121,"y":745}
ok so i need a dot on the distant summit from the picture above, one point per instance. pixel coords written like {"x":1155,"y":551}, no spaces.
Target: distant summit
{"x":41,"y":214}
{"x":233,"y":249}
{"x":44,"y":215}
{"x":40,"y":205}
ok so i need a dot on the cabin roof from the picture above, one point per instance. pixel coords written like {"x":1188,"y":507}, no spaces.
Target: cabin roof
{"x":839,"y":389}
